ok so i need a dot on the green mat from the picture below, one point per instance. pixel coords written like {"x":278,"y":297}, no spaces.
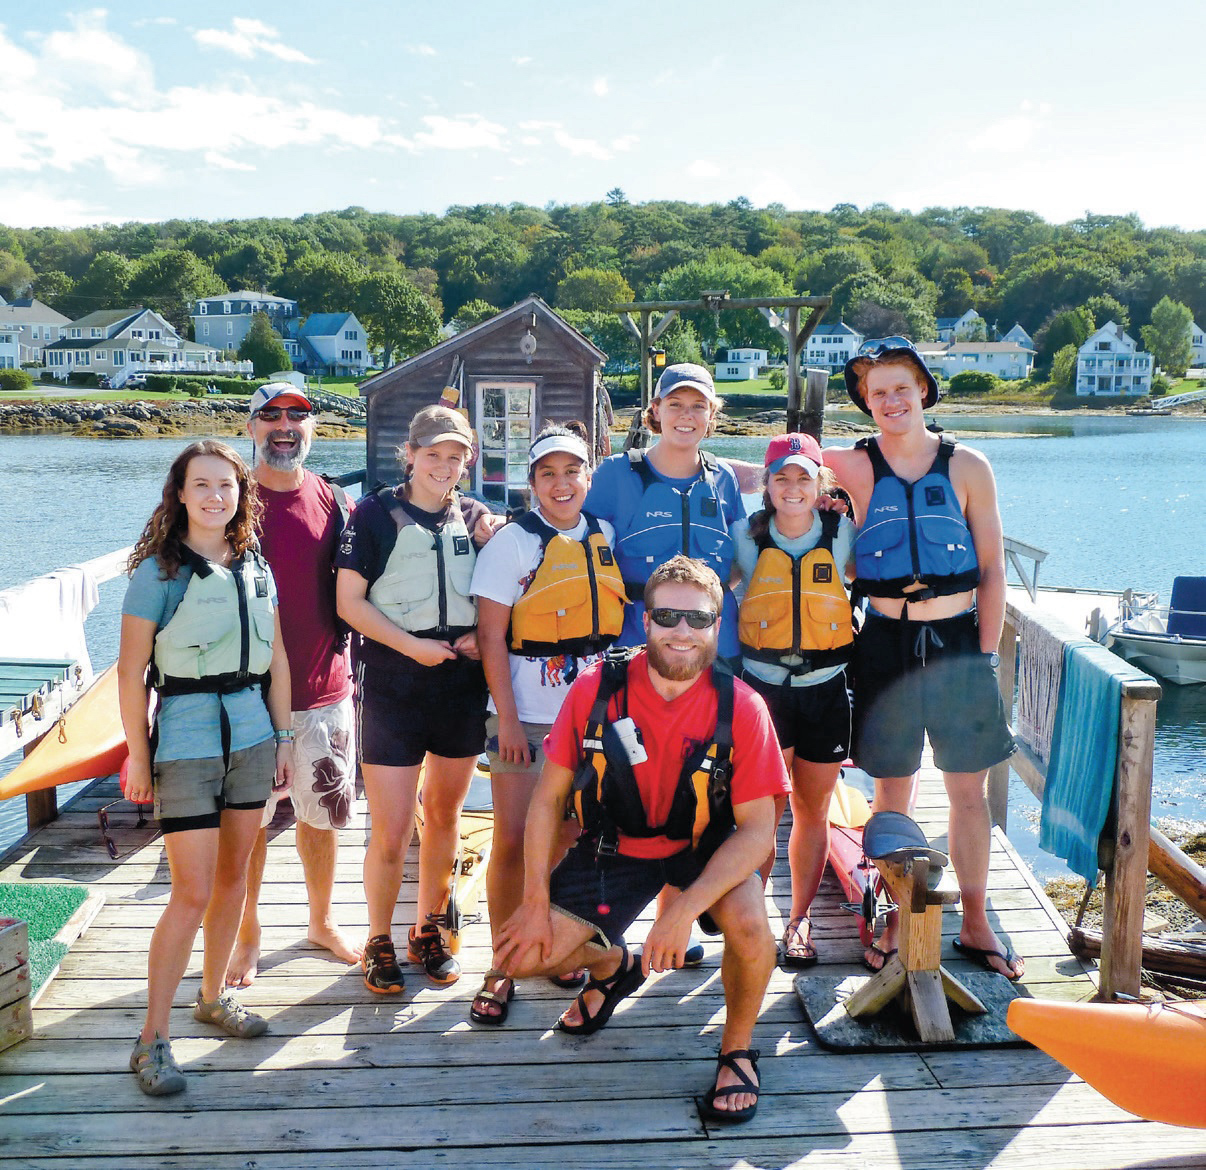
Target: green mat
{"x":46,"y":909}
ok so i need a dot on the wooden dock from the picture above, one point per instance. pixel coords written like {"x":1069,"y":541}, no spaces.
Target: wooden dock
{"x":346,"y":1078}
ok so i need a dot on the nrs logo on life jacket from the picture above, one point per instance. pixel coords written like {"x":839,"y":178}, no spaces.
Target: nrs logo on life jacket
{"x":574,"y":601}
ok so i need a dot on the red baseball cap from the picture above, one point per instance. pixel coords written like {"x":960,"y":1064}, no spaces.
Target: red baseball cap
{"x":802,"y":450}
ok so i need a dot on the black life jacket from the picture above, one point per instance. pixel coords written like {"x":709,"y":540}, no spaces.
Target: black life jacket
{"x":605,"y":799}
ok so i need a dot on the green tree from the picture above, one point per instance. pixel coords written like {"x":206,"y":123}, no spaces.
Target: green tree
{"x":53,"y":288}
{"x":1167,"y":337}
{"x":253,"y":264}
{"x":169,"y":280}
{"x":1063,"y":327}
{"x":605,"y":330}
{"x":323,"y":282}
{"x":104,"y":285}
{"x":15,"y":275}
{"x":1107,"y":308}
{"x":594,"y":289}
{"x":264,"y":348}
{"x":973,"y":382}
{"x":472,"y":313}
{"x":16,"y":381}
{"x":1063,"y":368}
{"x":397,"y":316}
{"x":681,"y":343}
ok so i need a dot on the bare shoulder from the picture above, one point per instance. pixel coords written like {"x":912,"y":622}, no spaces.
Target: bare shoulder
{"x":971,"y":467}
{"x":845,"y":461}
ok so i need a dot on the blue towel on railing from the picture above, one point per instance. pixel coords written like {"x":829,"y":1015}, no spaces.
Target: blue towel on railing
{"x":1084,"y":755}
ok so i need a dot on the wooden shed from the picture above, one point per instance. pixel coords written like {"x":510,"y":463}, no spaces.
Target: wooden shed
{"x":513,"y":374}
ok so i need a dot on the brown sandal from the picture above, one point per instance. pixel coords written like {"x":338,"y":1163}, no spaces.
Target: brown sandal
{"x":798,"y":948}
{"x":486,"y":996}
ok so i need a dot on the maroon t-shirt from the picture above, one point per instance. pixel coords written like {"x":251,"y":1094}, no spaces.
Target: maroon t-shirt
{"x":298,"y":535}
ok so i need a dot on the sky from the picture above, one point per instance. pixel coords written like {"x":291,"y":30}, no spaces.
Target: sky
{"x":222,"y":109}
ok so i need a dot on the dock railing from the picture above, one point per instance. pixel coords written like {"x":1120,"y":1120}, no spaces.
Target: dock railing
{"x":1130,"y":845}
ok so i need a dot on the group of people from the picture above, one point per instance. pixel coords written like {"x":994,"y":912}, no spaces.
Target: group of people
{"x":644,"y":731}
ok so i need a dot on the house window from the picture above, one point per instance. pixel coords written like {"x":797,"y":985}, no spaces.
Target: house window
{"x":351,"y":334}
{"x":229,"y":328}
{"x":135,"y":332}
{"x":119,"y":357}
{"x":1103,"y":346}
{"x":34,"y":333}
{"x":75,"y":333}
{"x":205,"y":329}
{"x":505,"y":412}
{"x":225,"y":306}
{"x":55,"y":358}
{"x":96,"y":332}
{"x":202,"y":308}
{"x":154,"y":334}
{"x":102,"y":355}
{"x":83,"y":357}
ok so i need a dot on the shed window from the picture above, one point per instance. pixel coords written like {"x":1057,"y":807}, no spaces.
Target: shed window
{"x":504,"y":424}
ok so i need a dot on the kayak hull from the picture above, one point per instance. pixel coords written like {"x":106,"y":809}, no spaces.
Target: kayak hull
{"x":1149,"y":1059}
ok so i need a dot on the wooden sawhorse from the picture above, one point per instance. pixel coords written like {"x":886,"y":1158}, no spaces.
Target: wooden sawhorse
{"x":912,"y":871}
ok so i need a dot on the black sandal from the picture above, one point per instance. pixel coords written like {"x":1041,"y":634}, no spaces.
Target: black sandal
{"x":729,"y":1060}
{"x":623,"y":982}
{"x":494,"y":1020}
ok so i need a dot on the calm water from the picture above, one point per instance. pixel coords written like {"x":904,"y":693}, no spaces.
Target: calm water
{"x":1116,"y":502}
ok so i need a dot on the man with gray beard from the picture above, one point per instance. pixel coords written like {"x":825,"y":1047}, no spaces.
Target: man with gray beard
{"x":302,"y":521}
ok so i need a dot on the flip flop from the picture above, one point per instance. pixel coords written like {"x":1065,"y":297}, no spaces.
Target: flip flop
{"x":571,"y":980}
{"x":879,"y":951}
{"x":708,"y":1110}
{"x":980,"y":956}
{"x":626,"y":979}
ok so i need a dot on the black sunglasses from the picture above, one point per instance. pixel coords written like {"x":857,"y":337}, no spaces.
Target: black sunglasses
{"x":102,"y":819}
{"x":273,"y":413}
{"x":697,"y":619}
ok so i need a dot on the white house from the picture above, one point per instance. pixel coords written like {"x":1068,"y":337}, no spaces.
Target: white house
{"x":223,"y":321}
{"x":953,"y":328}
{"x":10,"y":346}
{"x":831,"y":346}
{"x":1019,"y":336}
{"x":741,"y":365}
{"x":1003,"y":359}
{"x":38,"y":325}
{"x":118,"y":342}
{"x":1198,"y":341}
{"x":1110,"y":363}
{"x":329,"y":343}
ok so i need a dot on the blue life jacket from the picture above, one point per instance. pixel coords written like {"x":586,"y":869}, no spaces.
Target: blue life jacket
{"x":914,"y":533}
{"x":669,"y":521}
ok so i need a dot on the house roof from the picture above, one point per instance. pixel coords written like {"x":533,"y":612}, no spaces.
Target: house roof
{"x":840,"y":327}
{"x":29,"y":311}
{"x":532,"y":304}
{"x":247,"y":295}
{"x":323,"y":324}
{"x":988,"y":347}
{"x":106,"y":318}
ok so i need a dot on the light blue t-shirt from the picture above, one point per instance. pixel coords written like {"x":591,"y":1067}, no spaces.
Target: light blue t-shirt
{"x":747,"y":558}
{"x":189,"y":727}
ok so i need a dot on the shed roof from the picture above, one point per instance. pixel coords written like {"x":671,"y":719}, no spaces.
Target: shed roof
{"x":445,"y":349}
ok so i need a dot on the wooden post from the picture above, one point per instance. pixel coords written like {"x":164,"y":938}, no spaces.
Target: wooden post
{"x":813,"y":418}
{"x":1126,"y":878}
{"x":998,"y":774}
{"x":794,"y":392}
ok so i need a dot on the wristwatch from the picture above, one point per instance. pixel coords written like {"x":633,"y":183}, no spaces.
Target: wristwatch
{"x":994,"y":659}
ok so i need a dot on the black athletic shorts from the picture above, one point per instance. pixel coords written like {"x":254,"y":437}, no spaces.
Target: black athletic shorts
{"x":913,"y":679}
{"x":815,"y":721}
{"x":404,"y":713}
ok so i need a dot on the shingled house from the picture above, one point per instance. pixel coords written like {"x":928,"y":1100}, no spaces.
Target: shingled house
{"x":513,"y":373}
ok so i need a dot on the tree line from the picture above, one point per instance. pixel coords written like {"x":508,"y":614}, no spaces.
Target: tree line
{"x":405,"y":276}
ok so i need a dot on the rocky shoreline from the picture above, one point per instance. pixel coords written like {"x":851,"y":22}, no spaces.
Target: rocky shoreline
{"x":142,"y":419}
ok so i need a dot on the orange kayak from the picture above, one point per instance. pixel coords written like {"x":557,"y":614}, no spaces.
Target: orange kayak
{"x":87,"y":742}
{"x":1148,"y":1058}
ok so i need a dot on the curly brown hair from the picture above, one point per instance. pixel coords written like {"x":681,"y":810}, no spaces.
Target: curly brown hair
{"x":163,"y":536}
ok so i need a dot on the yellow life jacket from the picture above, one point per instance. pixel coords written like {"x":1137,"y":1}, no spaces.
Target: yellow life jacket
{"x":574,"y":602}
{"x":220,"y":637}
{"x":425,"y":586}
{"x":797,"y":607}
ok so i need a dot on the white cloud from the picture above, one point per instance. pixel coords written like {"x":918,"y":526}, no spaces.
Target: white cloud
{"x":624,"y":142}
{"x":703,"y":168}
{"x":521,"y":61}
{"x":1012,"y":133}
{"x":581,"y":147}
{"x":224,"y":163}
{"x":246,"y":38}
{"x":467,"y":132}
{"x":27,"y":205}
{"x":599,"y":87}
{"x":421,"y":50}
{"x":536,"y":126}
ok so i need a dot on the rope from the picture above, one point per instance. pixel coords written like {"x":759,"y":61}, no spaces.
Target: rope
{"x":1040,"y":665}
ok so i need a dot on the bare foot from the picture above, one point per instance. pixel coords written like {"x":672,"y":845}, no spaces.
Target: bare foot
{"x":333,"y":939}
{"x":243,"y":966}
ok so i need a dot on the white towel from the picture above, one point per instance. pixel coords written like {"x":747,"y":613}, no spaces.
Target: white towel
{"x":44,"y":618}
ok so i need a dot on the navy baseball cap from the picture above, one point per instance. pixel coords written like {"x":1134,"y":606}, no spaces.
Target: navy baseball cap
{"x":881,"y":347}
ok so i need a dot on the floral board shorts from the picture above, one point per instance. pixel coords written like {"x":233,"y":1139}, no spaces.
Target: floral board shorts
{"x":324,"y":778}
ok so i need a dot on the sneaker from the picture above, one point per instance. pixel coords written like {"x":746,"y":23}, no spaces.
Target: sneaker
{"x":693,"y":956}
{"x":427,"y":948}
{"x":158,"y":1073}
{"x":231,"y":1016}
{"x":380,"y":962}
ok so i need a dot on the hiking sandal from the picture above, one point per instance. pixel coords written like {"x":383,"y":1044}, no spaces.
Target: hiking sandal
{"x":623,"y":982}
{"x":798,"y":948}
{"x":158,"y":1073}
{"x":231,"y":1016}
{"x":486,"y":996}
{"x":728,"y":1060}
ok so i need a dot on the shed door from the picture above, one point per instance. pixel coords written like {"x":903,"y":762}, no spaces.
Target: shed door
{"x":506,"y":409}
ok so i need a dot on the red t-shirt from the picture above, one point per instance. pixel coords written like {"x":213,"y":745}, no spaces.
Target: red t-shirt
{"x":671,"y":731}
{"x":298,"y":535}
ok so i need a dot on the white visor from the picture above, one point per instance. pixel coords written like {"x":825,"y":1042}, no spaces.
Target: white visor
{"x":570,"y":444}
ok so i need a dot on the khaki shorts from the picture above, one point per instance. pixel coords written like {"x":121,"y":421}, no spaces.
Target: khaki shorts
{"x":534,"y":733}
{"x":189,"y":789}
{"x":324,"y":776}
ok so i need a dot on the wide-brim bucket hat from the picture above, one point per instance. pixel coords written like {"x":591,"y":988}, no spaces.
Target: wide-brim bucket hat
{"x":881,"y":347}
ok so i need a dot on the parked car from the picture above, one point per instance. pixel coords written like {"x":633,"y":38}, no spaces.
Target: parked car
{"x":136,"y":381}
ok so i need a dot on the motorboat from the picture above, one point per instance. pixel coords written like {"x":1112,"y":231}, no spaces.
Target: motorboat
{"x":1169,"y":642}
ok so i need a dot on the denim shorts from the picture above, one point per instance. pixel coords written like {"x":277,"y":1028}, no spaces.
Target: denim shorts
{"x":608,"y":893}
{"x":534,"y":732}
